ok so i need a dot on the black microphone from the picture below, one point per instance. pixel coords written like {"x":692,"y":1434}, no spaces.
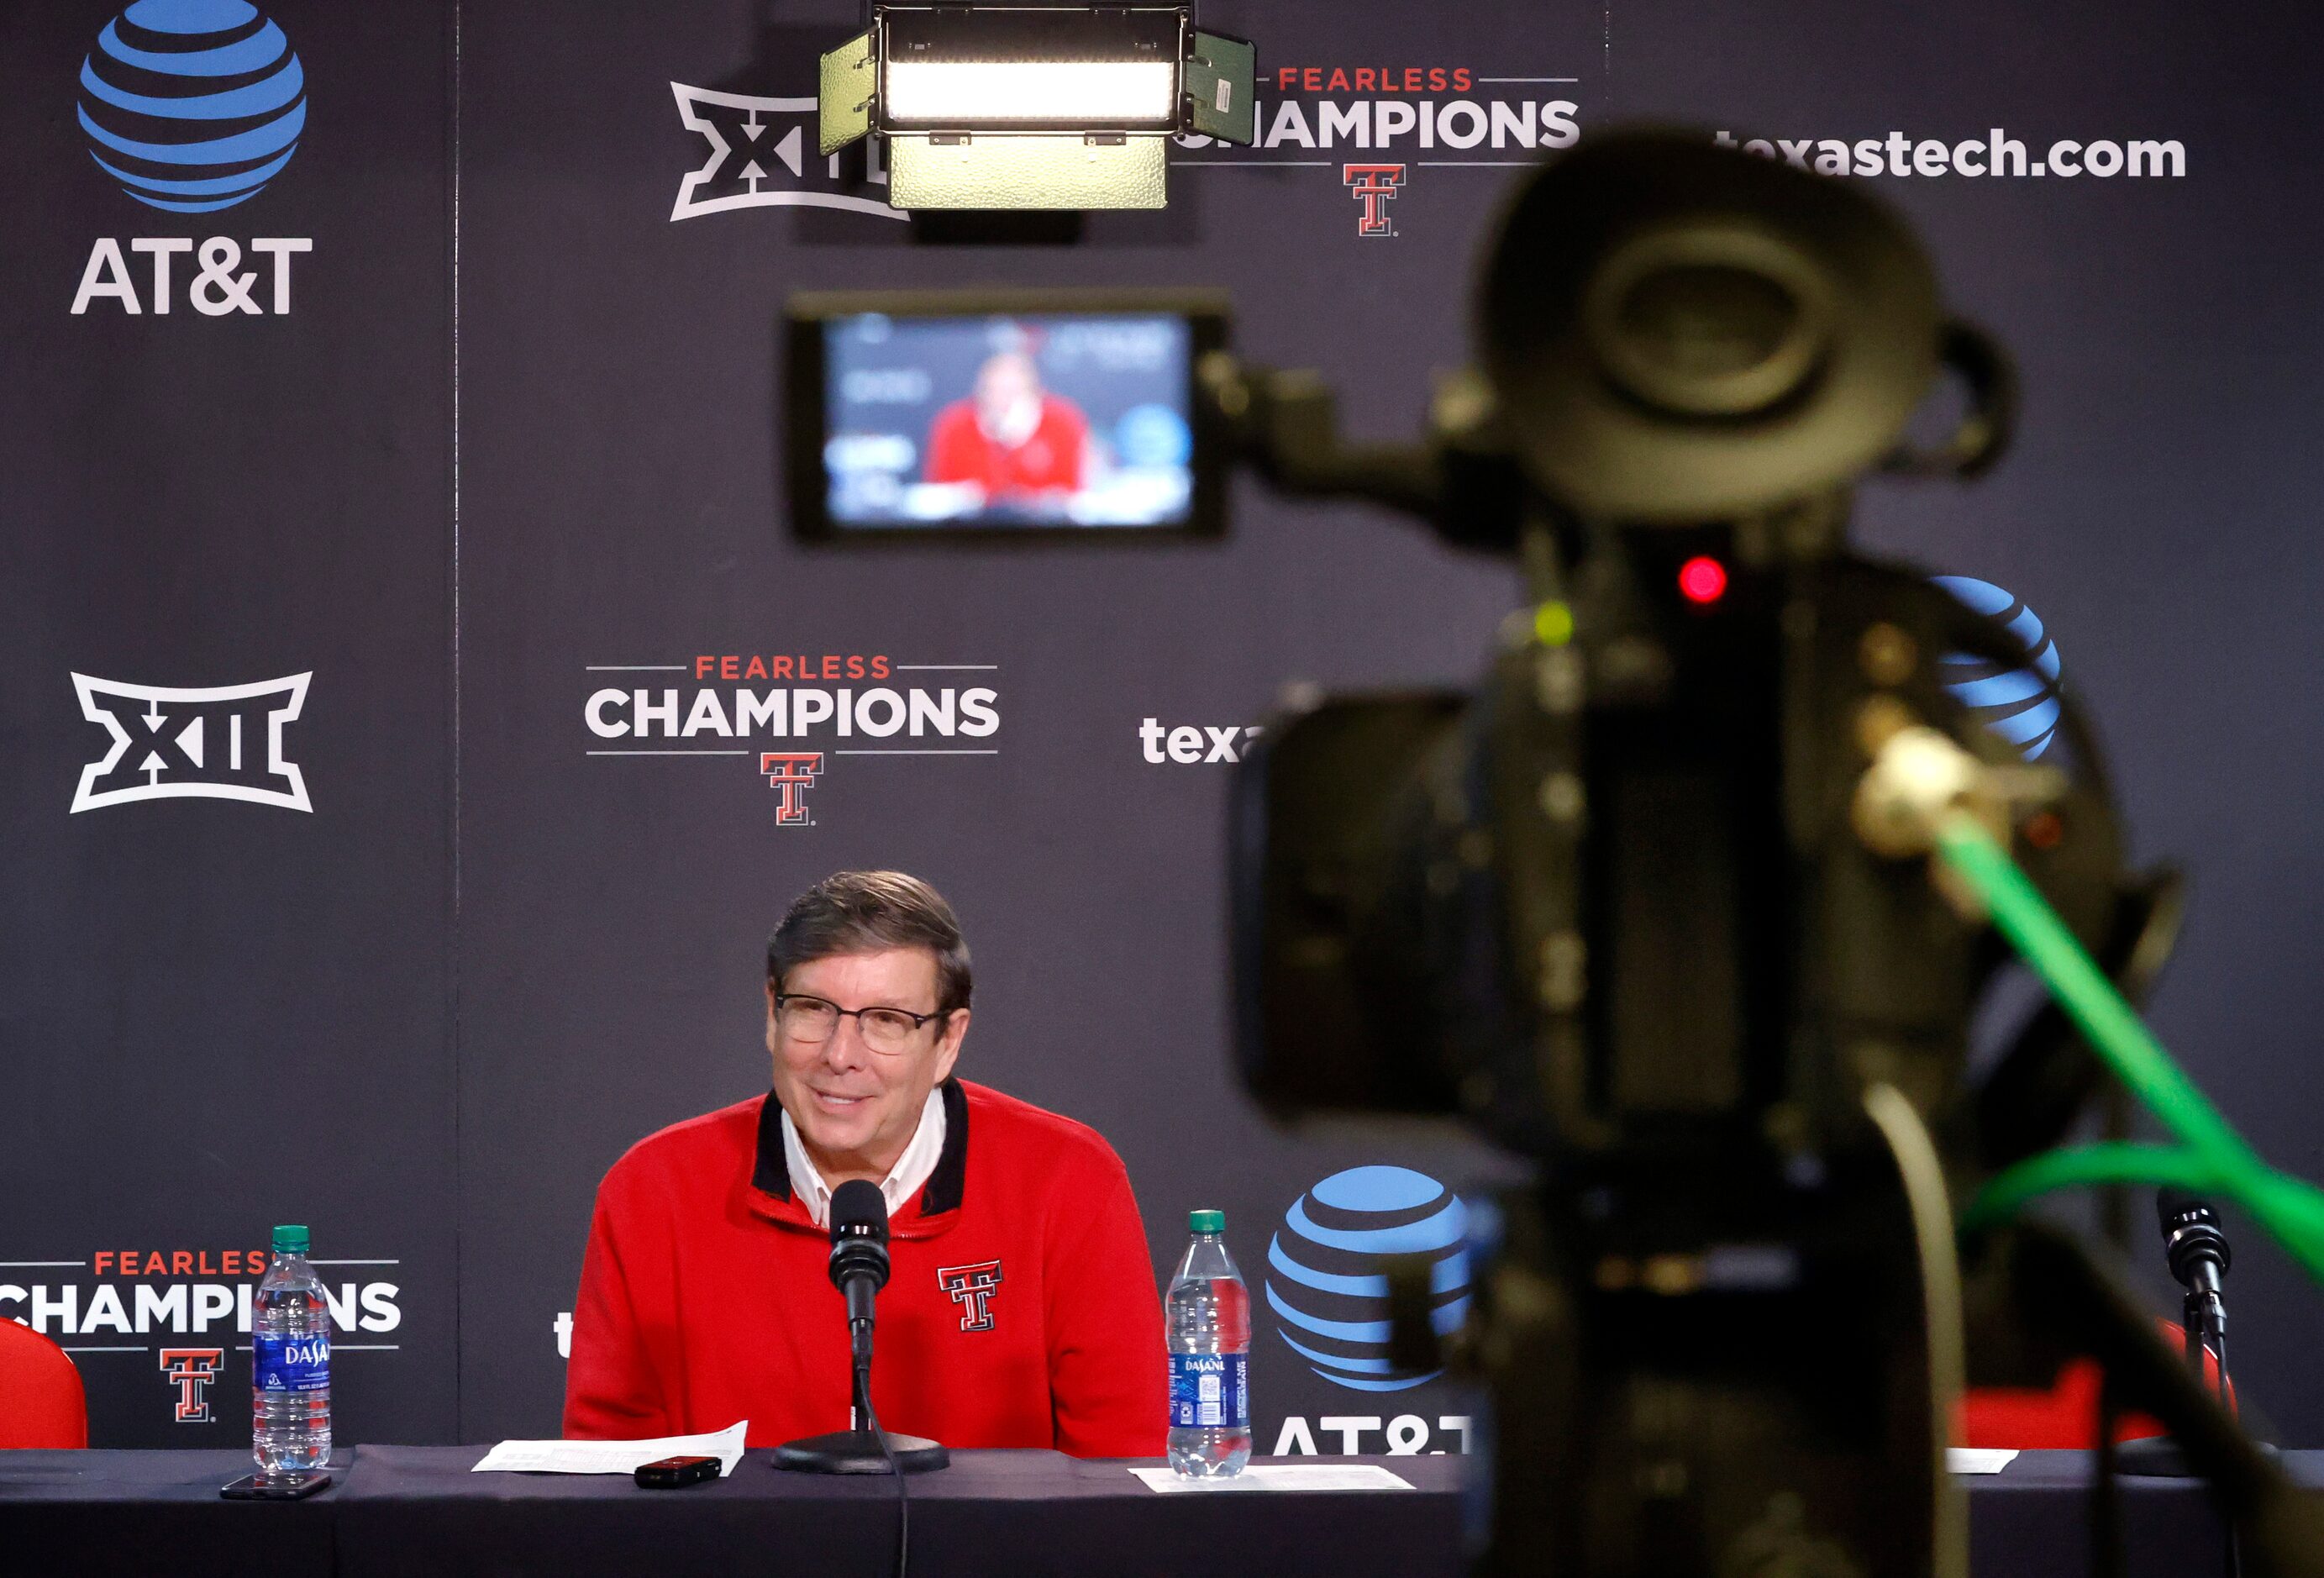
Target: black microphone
{"x":859,"y":1269}
{"x":2192,"y":1241}
{"x":859,"y":1256}
{"x":2197,"y":1249}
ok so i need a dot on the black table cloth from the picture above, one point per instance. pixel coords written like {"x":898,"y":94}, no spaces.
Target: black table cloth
{"x":153,"y":1512}
{"x":414,"y":1510}
{"x":417,"y":1509}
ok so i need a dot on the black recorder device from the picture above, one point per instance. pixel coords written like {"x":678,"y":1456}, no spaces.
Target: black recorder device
{"x":671,"y":1473}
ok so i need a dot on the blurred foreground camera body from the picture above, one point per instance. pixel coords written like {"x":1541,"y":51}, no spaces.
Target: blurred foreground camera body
{"x":1616,"y":909}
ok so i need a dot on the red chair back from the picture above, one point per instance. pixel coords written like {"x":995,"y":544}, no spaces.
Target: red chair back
{"x":41,"y":1400}
{"x":2067,"y":1414}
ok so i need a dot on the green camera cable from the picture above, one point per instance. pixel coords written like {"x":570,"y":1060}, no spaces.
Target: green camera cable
{"x":2211,"y":1158}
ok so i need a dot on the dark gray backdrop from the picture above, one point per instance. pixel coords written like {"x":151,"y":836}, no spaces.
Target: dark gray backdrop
{"x":220,"y":1015}
{"x":522,"y":423}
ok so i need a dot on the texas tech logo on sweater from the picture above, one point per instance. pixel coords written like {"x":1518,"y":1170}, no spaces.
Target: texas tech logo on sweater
{"x":972,"y":1287}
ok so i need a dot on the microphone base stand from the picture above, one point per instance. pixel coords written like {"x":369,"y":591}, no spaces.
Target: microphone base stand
{"x":2159,"y":1457}
{"x":857,"y":1452}
{"x":860,"y":1451}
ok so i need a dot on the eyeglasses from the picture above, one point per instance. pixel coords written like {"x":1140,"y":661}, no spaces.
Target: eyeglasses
{"x":884,"y":1030}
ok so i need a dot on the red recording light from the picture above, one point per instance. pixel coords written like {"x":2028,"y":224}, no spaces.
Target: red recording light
{"x":1702,"y":580}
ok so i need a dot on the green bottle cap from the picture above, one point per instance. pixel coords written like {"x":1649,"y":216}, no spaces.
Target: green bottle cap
{"x":290,"y":1240}
{"x":1207,"y":1220}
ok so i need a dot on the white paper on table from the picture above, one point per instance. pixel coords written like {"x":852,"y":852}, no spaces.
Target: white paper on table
{"x":1282,"y":1476}
{"x":1978,"y":1460}
{"x":611,"y":1457}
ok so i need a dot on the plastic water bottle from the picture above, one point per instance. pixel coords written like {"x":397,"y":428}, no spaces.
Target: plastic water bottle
{"x":291,"y":1362}
{"x":1208,"y":1317}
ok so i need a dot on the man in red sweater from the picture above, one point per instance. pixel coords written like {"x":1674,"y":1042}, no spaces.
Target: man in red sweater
{"x":1021,"y":1309}
{"x":1010,"y":437}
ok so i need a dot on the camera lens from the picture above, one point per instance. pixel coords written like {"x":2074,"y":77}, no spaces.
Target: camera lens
{"x":1704,"y":321}
{"x":1708,"y":320}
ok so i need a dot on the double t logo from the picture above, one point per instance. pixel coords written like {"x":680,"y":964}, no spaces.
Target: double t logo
{"x":193,"y":1368}
{"x":972,"y":1287}
{"x":789,"y":774}
{"x":1376,"y":185}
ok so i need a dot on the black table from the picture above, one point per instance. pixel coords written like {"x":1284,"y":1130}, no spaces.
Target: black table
{"x":2032,"y":1519}
{"x":417,"y":1509}
{"x":152,"y":1512}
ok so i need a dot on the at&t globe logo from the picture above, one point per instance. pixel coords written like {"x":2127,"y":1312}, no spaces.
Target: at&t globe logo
{"x":192,"y":105}
{"x":2019,"y":704}
{"x":1327,"y":1277}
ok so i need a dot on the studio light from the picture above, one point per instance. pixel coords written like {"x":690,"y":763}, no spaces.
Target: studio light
{"x":1004,"y":106}
{"x":1044,"y":93}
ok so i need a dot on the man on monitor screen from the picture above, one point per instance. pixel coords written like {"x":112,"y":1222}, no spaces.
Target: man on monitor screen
{"x":1022,"y":1308}
{"x":1010,"y":437}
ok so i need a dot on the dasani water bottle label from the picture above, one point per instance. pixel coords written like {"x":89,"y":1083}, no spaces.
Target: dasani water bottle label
{"x":1209,"y":1391}
{"x":291,"y":1364}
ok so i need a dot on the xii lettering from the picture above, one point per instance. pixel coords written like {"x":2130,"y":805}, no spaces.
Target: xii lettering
{"x":218,"y":742}
{"x":758,"y":158}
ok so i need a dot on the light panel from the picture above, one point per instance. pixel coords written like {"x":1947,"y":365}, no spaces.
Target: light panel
{"x":1019,"y":106}
{"x":1067,"y":93}
{"x":1024,"y":172}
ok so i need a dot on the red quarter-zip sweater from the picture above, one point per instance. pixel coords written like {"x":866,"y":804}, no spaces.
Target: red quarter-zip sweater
{"x":1022,"y":1308}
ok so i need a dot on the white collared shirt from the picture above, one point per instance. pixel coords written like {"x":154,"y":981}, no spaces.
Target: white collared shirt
{"x":903,"y":1180}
